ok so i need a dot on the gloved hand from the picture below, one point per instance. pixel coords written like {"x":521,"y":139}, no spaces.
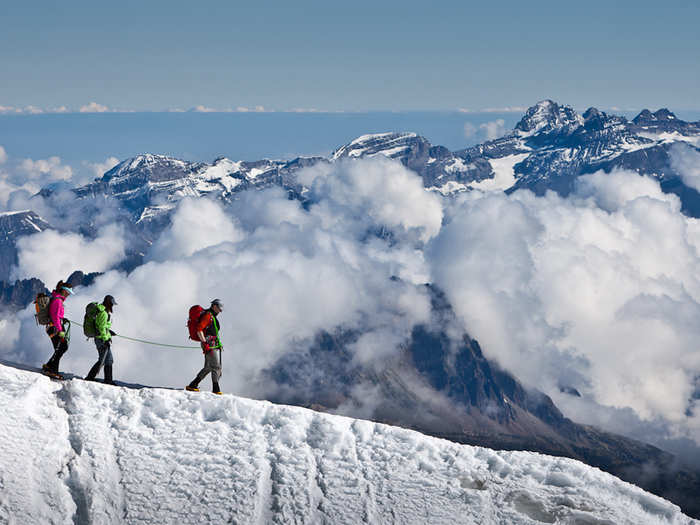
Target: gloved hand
{"x":112,"y":333}
{"x":62,"y":334}
{"x":205,"y":348}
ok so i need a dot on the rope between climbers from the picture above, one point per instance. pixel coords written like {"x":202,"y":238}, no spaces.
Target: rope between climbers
{"x":154,"y":343}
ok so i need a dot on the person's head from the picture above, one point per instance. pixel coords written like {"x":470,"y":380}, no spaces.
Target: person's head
{"x":64,"y":289}
{"x":217,"y":306}
{"x":108,"y":302}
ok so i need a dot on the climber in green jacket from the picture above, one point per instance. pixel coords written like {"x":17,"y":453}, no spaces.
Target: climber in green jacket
{"x":103,"y":340}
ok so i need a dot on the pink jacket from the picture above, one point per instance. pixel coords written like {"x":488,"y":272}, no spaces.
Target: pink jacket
{"x":56,"y":310}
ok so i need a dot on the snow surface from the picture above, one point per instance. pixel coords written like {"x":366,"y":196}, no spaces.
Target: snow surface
{"x":9,"y":213}
{"x":504,"y":175}
{"x":80,"y":452}
{"x":449,"y":188}
{"x":668,"y":137}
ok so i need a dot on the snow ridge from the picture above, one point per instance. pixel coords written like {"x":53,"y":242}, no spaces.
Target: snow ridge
{"x":163,"y":456}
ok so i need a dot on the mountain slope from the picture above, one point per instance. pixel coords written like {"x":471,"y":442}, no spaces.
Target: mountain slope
{"x":448,"y":389}
{"x":14,"y":225}
{"x":78,"y":452}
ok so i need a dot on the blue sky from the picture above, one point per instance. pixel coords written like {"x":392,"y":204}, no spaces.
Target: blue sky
{"x":349,"y":56}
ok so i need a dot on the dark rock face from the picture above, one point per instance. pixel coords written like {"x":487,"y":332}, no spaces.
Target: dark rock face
{"x":20,"y":294}
{"x":79,"y":278}
{"x":448,"y":389}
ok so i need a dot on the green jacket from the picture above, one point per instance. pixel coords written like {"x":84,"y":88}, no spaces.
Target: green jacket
{"x":103,"y":323}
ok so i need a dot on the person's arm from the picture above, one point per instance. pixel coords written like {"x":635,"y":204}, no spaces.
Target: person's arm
{"x":201,"y":326}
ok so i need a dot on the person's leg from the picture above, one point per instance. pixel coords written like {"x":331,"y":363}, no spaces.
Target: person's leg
{"x":101,"y":352}
{"x":51,"y":332}
{"x":201,"y":375}
{"x":215,"y":366}
{"x":108,"y":365}
{"x":60,"y":348}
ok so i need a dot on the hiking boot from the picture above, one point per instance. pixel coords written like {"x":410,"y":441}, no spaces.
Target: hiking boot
{"x":215,"y":389}
{"x":191,"y":388}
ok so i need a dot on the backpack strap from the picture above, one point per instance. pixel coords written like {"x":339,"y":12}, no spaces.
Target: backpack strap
{"x":215,"y":322}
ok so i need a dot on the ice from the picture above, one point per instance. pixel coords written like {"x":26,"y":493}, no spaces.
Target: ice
{"x":82,"y":452}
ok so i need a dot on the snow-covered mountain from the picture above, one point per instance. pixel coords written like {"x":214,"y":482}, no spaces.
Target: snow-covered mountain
{"x":79,"y":452}
{"x":13,"y":225}
{"x":548,"y":149}
{"x":150,"y":186}
{"x":454,"y":391}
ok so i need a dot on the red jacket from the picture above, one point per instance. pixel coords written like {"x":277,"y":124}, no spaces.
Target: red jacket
{"x":206,"y":324}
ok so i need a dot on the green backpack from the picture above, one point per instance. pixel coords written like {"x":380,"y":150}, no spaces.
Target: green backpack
{"x":89,"y":327}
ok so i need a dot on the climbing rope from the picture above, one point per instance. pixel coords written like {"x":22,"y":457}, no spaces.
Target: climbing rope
{"x":154,"y":343}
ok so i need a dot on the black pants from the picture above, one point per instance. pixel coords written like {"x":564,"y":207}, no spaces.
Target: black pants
{"x":60,"y":347}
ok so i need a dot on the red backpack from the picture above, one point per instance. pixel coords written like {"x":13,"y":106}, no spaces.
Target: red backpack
{"x":196,"y":312}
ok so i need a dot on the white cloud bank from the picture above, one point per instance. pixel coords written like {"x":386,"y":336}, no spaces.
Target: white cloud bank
{"x":283,"y":272}
{"x":598,"y":291}
{"x":52,"y":256}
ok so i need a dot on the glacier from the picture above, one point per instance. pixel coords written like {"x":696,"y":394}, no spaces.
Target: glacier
{"x":83,"y":452}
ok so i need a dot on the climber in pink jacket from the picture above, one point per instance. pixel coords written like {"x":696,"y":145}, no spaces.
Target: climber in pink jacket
{"x":58,"y":328}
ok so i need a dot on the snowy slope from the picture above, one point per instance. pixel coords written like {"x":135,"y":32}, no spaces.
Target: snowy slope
{"x":78,"y":452}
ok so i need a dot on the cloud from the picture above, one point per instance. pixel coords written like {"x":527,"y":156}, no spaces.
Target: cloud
{"x":46,"y":170}
{"x":686,"y":161}
{"x":351,"y":258}
{"x":27,"y":110}
{"x":51,"y":255}
{"x":97,"y":169}
{"x":494,"y":129}
{"x":204,"y":109}
{"x":256,"y":109}
{"x":239,"y":109}
{"x":19,"y":181}
{"x":599,"y":291}
{"x":198,"y":224}
{"x":94,"y":107}
{"x":384,"y":191}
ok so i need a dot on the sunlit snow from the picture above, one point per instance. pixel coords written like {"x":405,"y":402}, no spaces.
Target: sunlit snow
{"x":79,"y":452}
{"x":504,"y":175}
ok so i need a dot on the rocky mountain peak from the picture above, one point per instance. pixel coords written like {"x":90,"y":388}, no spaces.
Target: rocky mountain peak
{"x":646,"y":117}
{"x":546,"y":117}
{"x":149,"y":167}
{"x":16,"y":223}
{"x":388,"y":144}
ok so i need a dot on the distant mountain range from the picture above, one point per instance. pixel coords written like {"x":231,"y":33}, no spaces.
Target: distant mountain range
{"x":547,"y":150}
